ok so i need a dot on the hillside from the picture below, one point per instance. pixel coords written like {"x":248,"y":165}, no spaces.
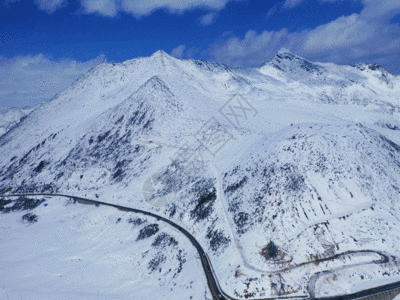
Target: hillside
{"x":302,"y":154}
{"x":10,"y":117}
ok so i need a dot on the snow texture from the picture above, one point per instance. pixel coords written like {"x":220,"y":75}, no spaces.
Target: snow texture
{"x":307,"y":156}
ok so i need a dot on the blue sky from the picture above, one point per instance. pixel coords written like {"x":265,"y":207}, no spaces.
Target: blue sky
{"x":46,"y":44}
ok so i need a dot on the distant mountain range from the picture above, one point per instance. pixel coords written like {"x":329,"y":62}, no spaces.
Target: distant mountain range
{"x":300,"y":153}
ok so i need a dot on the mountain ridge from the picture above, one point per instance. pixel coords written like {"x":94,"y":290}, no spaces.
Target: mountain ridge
{"x":244,"y":157}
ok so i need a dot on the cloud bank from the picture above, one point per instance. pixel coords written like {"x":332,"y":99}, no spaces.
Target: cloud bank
{"x":138,"y":8}
{"x":50,"y":6}
{"x":30,"y":80}
{"x":293,"y":3}
{"x":145,"y":7}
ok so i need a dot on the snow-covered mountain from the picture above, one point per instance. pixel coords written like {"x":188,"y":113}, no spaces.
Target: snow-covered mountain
{"x":300,"y":153}
{"x":359,"y":84}
{"x":10,"y":117}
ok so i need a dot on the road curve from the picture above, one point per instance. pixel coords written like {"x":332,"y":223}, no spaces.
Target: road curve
{"x":212,"y":281}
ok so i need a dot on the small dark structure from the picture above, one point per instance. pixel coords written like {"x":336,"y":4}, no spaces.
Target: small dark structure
{"x":270,"y":251}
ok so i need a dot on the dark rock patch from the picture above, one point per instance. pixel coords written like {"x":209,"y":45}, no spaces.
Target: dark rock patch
{"x":155,"y":262}
{"x":270,"y":251}
{"x":164,"y":240}
{"x":242,"y":221}
{"x":217,"y":239}
{"x":118,"y":175}
{"x":181,"y":259}
{"x":102,"y":137}
{"x":22,"y":203}
{"x":390,"y":144}
{"x":40,"y":166}
{"x":205,"y":201}
{"x":235,"y":186}
{"x":30,"y":218}
{"x":147,"y":231}
{"x":119,"y":120}
{"x":136,"y":221}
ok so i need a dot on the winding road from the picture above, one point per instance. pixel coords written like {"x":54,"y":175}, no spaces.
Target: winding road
{"x":212,"y":281}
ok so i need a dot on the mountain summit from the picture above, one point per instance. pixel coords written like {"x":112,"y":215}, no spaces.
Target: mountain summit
{"x":286,"y":61}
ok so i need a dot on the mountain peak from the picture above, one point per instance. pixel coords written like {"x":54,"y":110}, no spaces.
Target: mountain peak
{"x":160,"y":53}
{"x":372,"y":67}
{"x":376,"y":70}
{"x":284,"y":51}
{"x":286,"y":61}
{"x":285,"y":54}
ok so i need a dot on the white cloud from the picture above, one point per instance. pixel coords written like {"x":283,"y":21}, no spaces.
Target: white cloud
{"x":141,"y":8}
{"x":272,"y":11}
{"x":145,"y":7}
{"x":292,"y":3}
{"x":343,"y":32}
{"x":380,"y":10}
{"x":254,"y":48}
{"x":181,"y":52}
{"x":138,"y":8}
{"x":365,"y":35}
{"x":29,"y":80}
{"x":105,"y":7}
{"x":208,"y":18}
{"x":178,"y":51}
{"x":50,"y":6}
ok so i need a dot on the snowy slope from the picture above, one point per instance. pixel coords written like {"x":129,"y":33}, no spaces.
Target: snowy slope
{"x":360,"y":84}
{"x":83,"y":252}
{"x":10,"y":117}
{"x":309,"y":157}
